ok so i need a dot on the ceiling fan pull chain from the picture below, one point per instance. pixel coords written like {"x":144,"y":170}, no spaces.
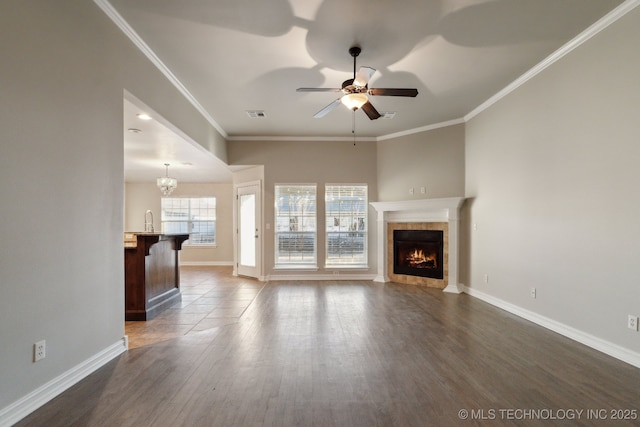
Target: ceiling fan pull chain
{"x":353,"y":126}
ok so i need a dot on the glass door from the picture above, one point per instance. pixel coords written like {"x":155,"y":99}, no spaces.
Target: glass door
{"x":249,"y":237}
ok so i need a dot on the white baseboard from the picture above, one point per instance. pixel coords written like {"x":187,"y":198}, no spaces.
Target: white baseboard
{"x":323,"y":277}
{"x":32,"y":401}
{"x":206,"y":263}
{"x":606,"y":347}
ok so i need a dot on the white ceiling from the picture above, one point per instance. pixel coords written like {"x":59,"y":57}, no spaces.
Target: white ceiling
{"x":239,"y":55}
{"x":149,"y":144}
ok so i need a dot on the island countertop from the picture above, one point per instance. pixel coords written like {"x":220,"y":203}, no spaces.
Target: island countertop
{"x":131,"y":239}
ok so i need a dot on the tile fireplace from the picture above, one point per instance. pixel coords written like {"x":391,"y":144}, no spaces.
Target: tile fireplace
{"x":424,"y":258}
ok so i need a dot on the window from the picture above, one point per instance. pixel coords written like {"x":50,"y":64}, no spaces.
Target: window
{"x":346,"y":225}
{"x":193,"y":215}
{"x":295,"y":230}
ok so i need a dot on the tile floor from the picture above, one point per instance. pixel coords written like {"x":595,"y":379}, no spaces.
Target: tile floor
{"x":211,"y":297}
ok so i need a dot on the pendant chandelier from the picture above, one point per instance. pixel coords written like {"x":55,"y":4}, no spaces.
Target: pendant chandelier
{"x":166,"y":184}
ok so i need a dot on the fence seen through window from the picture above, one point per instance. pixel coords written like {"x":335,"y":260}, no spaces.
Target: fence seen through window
{"x":195,"y":216}
{"x":295,"y":225}
{"x":346,"y":225}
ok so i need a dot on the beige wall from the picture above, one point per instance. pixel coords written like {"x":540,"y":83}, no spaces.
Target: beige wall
{"x":552,"y":171}
{"x":432,"y":159}
{"x":142,"y":196}
{"x":319,"y":162}
{"x":64,"y":69}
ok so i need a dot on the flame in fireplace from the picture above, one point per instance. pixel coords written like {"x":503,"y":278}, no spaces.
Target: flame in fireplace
{"x":418,"y":259}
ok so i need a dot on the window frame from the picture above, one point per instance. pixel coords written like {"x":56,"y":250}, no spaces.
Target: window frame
{"x":287,"y":225}
{"x":190,"y":221}
{"x":358,"y":225}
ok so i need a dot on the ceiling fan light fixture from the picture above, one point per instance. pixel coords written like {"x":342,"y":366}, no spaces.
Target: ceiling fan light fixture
{"x":354,"y":101}
{"x":355,"y":91}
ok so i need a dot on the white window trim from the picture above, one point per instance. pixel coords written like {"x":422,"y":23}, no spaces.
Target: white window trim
{"x":188,"y":242}
{"x":279,"y":265}
{"x":353,"y":266}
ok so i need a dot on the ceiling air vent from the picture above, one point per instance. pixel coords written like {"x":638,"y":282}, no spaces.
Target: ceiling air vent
{"x":387,"y":114}
{"x":256,"y":114}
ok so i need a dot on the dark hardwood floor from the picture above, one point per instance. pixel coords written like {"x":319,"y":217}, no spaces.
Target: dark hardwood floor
{"x":237,"y":352}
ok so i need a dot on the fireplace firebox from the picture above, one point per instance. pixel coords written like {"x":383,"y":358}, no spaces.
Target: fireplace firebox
{"x":418,"y":253}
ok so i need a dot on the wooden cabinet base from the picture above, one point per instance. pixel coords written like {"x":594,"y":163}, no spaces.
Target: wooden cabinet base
{"x":160,"y":304}
{"x":152,"y":274}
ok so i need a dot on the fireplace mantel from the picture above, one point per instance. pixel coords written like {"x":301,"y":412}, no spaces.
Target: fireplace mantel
{"x":422,"y":210}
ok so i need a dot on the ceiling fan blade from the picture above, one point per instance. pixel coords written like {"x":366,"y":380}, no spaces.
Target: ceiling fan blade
{"x":370,"y":110}
{"x":318,"y":89}
{"x":363,"y":76}
{"x":393,"y":92}
{"x":326,"y":109}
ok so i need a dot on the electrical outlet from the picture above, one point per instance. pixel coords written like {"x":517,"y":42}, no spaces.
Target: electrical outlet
{"x":411,"y":191}
{"x":39,"y":350}
{"x":533,"y":293}
{"x":486,"y":278}
{"x":423,"y":190}
{"x":632,"y":322}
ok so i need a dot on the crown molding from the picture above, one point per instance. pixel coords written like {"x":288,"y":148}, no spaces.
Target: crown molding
{"x":568,"y":47}
{"x":109,"y":10}
{"x":348,"y":138}
{"x":421,"y":129}
{"x":303,"y":138}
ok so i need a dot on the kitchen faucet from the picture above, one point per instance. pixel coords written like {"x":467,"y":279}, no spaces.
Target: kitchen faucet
{"x":148,"y":225}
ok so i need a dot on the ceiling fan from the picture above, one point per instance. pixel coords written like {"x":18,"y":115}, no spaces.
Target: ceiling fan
{"x":355,"y":91}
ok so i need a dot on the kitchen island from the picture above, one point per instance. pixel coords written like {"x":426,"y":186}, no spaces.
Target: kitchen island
{"x":152,"y":273}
